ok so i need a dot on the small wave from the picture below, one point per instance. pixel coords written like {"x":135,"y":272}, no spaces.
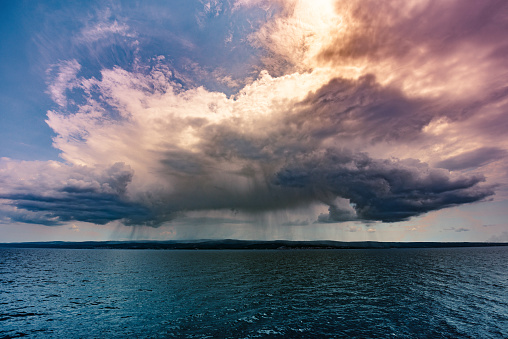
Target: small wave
{"x":269,"y":332}
{"x":6,"y":316}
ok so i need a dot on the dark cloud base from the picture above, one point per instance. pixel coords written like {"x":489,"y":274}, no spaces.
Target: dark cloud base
{"x":380,"y":190}
{"x":90,"y":207}
{"x":353,"y":185}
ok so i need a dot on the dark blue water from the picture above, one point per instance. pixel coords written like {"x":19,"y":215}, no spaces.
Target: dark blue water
{"x":400,"y":293}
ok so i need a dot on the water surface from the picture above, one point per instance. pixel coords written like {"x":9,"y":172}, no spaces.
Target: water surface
{"x":399,"y":293}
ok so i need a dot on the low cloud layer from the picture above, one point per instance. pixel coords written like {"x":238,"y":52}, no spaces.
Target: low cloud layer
{"x":363,"y":113}
{"x":51,"y":193}
{"x":379,"y":190}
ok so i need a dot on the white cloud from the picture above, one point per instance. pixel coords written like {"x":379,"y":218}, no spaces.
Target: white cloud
{"x":74,"y":228}
{"x":103,"y":26}
{"x":190,"y":149}
{"x":105,"y":30}
{"x":64,"y":80}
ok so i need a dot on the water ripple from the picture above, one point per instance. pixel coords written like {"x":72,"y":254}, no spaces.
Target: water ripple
{"x":404,"y":293}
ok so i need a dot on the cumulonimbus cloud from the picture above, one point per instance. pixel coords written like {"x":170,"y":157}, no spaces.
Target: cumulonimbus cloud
{"x":160,"y":164}
{"x":141,"y":148}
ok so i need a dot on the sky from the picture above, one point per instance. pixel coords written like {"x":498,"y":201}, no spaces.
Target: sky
{"x":252,"y":119}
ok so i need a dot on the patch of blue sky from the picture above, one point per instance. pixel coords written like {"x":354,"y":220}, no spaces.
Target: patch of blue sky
{"x":23,"y":101}
{"x":205,"y":44}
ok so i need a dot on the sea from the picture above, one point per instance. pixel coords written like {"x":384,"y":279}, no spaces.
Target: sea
{"x":302,"y":293}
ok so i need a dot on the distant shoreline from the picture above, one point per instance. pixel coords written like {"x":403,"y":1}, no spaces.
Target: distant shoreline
{"x":243,"y":245}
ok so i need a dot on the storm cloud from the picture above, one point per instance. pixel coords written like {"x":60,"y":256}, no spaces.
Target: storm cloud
{"x":384,"y":190}
{"x":52,"y":193}
{"x":373,"y":112}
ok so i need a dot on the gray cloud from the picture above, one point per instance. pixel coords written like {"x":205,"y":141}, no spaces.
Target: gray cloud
{"x":447,"y":52}
{"x":460,"y":229}
{"x":383,"y":190}
{"x":54,"y":195}
{"x":84,"y":206}
{"x":347,"y":109}
{"x":270,"y":170}
{"x":353,"y":185}
{"x":194,"y":150}
{"x":338,"y":213}
{"x":397,"y":28}
{"x":473,"y":159}
{"x":257,"y":166}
